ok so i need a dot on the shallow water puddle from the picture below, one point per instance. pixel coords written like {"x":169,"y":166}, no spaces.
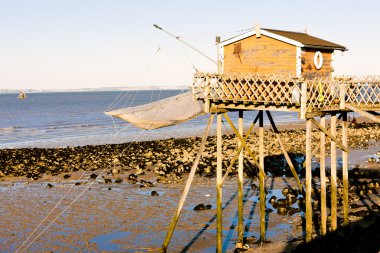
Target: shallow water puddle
{"x":105,"y":242}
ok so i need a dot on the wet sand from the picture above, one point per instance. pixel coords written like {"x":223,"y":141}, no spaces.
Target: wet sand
{"x":117,"y":213}
{"x":111,"y":217}
{"x":127,"y":218}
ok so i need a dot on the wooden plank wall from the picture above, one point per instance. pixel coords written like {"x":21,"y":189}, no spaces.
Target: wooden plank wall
{"x":307,"y":60}
{"x":262,"y":55}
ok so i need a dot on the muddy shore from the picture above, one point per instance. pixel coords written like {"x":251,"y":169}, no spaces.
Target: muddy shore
{"x":168,"y":159}
{"x":118,"y":212}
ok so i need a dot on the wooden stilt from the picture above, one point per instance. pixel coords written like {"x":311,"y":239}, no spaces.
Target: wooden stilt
{"x":333,"y":175}
{"x":240,"y":185}
{"x":262,"y":178}
{"x":243,"y":142}
{"x":322,"y":166}
{"x":333,"y":137}
{"x":345,"y":169}
{"x":309,"y":221}
{"x":219,"y":225}
{"x":290,"y":163}
{"x":316,"y":149}
{"x":187,"y":186}
{"x":228,"y":170}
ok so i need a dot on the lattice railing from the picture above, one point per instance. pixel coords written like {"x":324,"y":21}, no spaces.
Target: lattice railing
{"x":317,"y":94}
{"x":268,"y":89}
{"x":363,"y":92}
{"x":323,"y":94}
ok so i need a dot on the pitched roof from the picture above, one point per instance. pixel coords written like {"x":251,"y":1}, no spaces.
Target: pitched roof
{"x":308,"y":40}
{"x":293,"y":38}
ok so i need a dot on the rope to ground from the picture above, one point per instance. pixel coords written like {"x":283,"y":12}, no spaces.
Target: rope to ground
{"x":116,"y":101}
{"x":71,"y":203}
{"x":69,"y":190}
{"x":122,"y":95}
{"x":81,"y":193}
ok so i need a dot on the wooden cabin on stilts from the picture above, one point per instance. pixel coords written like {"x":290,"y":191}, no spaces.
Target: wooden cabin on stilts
{"x":268,"y":70}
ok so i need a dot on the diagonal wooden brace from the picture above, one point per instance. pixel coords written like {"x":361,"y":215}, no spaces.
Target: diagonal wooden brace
{"x":338,"y":143}
{"x":174,"y":221}
{"x":244,"y":144}
{"x":290,"y":163}
{"x":316,"y":149}
{"x":363,"y":113}
{"x":236,"y":156}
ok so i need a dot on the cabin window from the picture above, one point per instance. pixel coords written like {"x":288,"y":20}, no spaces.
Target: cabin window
{"x":237,"y":48}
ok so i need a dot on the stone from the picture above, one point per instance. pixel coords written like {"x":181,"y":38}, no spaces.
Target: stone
{"x":132,"y":177}
{"x":285,"y":191}
{"x":116,"y":161}
{"x":199,"y":207}
{"x":93,"y":176}
{"x":139,"y":171}
{"x":281,"y":203}
{"x":272,"y":200}
{"x":154,"y":193}
{"x":282,"y":211}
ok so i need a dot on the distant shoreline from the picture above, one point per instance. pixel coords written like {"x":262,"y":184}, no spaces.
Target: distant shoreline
{"x":101,"y":89}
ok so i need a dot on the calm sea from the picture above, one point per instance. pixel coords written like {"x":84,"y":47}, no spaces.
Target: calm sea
{"x":63,"y":119}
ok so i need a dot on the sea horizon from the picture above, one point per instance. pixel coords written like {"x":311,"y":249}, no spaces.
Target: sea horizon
{"x":96,"y":89}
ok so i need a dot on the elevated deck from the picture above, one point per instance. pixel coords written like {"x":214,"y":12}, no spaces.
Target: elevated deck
{"x":319,"y":97}
{"x":274,"y":92}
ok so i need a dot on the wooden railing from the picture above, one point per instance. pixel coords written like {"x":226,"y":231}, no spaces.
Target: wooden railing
{"x":318,"y":94}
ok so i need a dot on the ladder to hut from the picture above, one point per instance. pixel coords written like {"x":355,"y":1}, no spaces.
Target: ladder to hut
{"x":314,"y":100}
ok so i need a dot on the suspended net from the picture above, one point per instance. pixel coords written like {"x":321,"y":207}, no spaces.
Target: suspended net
{"x":166,"y":112}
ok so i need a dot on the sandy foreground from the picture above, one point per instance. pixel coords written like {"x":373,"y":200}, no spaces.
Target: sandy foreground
{"x":70,"y":211}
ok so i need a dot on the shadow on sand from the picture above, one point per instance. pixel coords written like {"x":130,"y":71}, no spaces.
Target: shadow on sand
{"x":359,"y":236}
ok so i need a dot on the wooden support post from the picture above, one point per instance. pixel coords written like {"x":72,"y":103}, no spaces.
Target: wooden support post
{"x":262,"y":178}
{"x":287,"y":157}
{"x":345,"y":170}
{"x":239,"y":149}
{"x":248,"y":150}
{"x":309,"y":221}
{"x":240,"y":186}
{"x":333,"y":137}
{"x":187,"y":186}
{"x":218,"y":57}
{"x":206,"y":94}
{"x":333,"y":175}
{"x":219,"y":220}
{"x":342,"y":95}
{"x":322,"y":170}
{"x":303,"y":109}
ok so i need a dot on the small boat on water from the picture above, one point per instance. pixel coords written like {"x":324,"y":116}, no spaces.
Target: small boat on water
{"x":22,"y":95}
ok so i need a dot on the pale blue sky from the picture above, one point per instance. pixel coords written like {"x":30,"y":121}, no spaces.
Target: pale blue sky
{"x":53,"y":44}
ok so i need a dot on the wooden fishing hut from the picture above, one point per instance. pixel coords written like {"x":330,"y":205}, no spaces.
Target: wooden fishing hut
{"x":268,"y":70}
{"x":269,"y":51}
